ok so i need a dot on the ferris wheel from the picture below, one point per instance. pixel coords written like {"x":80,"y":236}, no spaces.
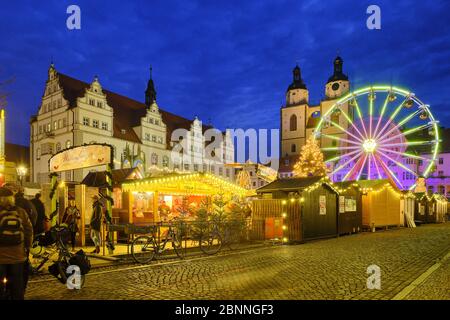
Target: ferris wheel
{"x":379,"y":132}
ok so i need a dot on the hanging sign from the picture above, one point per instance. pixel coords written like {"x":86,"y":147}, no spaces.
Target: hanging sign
{"x":322,"y":205}
{"x":80,"y":157}
{"x":350,"y":205}
{"x":341,"y":204}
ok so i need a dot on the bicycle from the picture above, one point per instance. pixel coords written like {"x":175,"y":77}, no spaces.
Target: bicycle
{"x":145,"y":247}
{"x":211,"y":242}
{"x":55,"y":246}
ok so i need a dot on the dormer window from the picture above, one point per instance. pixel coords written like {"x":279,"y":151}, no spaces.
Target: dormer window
{"x":99,"y":104}
{"x":123,"y":131}
{"x":92,"y":102}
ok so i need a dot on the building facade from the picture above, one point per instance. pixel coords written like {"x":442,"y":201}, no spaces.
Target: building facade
{"x":144,"y":136}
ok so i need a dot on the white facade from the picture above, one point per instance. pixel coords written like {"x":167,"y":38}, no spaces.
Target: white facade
{"x":73,"y":113}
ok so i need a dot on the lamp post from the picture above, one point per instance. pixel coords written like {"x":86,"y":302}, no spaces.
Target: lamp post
{"x":21,"y":172}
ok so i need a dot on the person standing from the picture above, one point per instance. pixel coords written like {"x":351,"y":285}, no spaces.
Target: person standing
{"x":71,"y":217}
{"x":23,"y":203}
{"x":96,"y":223}
{"x":16,"y":236}
{"x":41,"y":217}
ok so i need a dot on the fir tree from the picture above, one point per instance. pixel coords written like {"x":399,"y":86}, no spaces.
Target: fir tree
{"x":310,"y":163}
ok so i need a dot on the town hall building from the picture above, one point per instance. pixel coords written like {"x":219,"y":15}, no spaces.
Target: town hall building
{"x":74,"y":113}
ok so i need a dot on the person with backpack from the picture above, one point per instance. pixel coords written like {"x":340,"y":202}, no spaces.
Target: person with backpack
{"x":70,"y":218}
{"x":96,"y":223}
{"x":16,"y":236}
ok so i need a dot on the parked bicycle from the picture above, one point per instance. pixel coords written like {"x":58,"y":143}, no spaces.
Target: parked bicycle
{"x":146,"y":247}
{"x":221,"y":233}
{"x":51,"y":246}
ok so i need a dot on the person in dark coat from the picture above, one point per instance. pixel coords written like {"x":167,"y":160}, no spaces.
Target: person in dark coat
{"x":71,"y":217}
{"x":96,"y":223}
{"x":41,"y":217}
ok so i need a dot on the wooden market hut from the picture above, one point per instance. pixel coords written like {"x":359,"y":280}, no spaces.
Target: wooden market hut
{"x":422,"y":208}
{"x":438,"y":208}
{"x":306,"y":207}
{"x":349,"y":207}
{"x":157,"y":199}
{"x":381,"y":204}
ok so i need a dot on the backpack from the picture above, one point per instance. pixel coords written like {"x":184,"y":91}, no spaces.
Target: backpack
{"x":82,"y":261}
{"x":11,"y":229}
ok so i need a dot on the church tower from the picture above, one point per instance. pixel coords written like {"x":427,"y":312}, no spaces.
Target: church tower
{"x":293,"y":115}
{"x":338,"y":83}
{"x":150,"y":92}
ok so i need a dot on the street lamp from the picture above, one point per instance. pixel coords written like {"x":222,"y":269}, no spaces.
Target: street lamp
{"x":21,"y":172}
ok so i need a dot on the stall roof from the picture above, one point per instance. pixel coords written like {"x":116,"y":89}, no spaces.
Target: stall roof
{"x":292,"y":184}
{"x":98,"y":178}
{"x":186,"y":184}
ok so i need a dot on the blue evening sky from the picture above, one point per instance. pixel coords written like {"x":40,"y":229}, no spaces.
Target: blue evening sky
{"x":229,"y":61}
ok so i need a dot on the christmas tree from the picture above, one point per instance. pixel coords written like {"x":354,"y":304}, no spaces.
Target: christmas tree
{"x":310,"y":163}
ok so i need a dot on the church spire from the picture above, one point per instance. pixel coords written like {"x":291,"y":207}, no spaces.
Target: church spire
{"x":338,"y":73}
{"x":150,"y":92}
{"x":297,"y":81}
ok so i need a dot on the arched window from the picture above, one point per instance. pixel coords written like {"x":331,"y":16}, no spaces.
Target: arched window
{"x":293,"y":123}
{"x":293,"y":148}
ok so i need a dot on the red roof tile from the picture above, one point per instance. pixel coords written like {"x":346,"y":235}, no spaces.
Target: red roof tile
{"x":127,"y":112}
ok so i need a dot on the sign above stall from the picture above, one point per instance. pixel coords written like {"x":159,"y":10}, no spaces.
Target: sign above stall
{"x":85,"y":156}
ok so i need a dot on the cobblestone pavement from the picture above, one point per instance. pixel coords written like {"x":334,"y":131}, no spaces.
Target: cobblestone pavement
{"x":326,"y":269}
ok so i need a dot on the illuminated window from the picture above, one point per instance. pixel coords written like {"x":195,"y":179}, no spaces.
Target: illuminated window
{"x":68,"y":144}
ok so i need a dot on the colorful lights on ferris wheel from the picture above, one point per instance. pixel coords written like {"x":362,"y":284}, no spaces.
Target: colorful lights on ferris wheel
{"x":375,"y":138}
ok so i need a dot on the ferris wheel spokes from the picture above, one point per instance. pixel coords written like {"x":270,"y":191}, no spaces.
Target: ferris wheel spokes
{"x":391,"y":118}
{"x":341,"y":156}
{"x":350,"y":121}
{"x":398,"y":125}
{"x":343,"y":130}
{"x":382,"y":111}
{"x":408,"y":132}
{"x":346,"y":163}
{"x":340,"y":139}
{"x":358,"y":110}
{"x":376,"y":166}
{"x":388,"y":172}
{"x":362,"y":167}
{"x":401,"y":165}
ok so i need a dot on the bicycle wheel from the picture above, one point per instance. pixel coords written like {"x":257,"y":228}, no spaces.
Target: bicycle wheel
{"x":143,"y":249}
{"x":232,"y":238}
{"x":210,"y":243}
{"x":177,"y":244}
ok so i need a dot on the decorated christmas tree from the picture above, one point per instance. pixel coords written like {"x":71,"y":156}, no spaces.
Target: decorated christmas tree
{"x":310,"y":163}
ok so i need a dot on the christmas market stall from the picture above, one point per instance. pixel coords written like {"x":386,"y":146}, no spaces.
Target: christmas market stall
{"x":159,"y":199}
{"x":381,"y":204}
{"x":349,"y":207}
{"x":437,"y":209}
{"x":422,"y":208}
{"x":296,"y":210}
